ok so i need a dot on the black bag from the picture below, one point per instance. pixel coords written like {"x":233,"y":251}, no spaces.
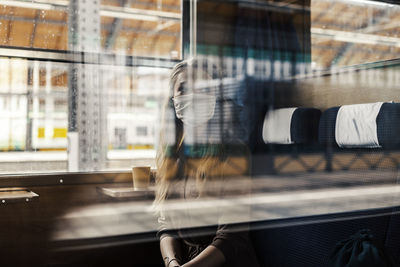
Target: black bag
{"x":360,"y":250}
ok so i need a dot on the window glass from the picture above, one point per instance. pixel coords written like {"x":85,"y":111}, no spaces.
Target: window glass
{"x":364,"y":32}
{"x":138,"y":43}
{"x":265,"y":130}
{"x":287,"y":82}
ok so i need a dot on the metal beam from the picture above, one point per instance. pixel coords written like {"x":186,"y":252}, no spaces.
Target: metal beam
{"x":61,"y":32}
{"x":282,"y":7}
{"x":105,"y":27}
{"x":35,"y":5}
{"x":78,"y":57}
{"x":162,"y":26}
{"x":63,"y":3}
{"x":175,"y":43}
{"x":150,"y":32}
{"x":36,"y":54}
{"x":133,"y":40}
{"x":9,"y":28}
{"x":138,"y":14}
{"x":37,"y":20}
{"x":382,"y":27}
{"x":360,"y":49}
{"x":320,"y":14}
{"x":347,"y":48}
{"x":154,"y":42}
{"x":34,"y":29}
{"x":106,"y":11}
{"x":87,"y":139}
{"x":115,"y":29}
{"x":155,"y":5}
{"x":364,"y":3}
{"x":355,"y":37}
{"x":346,"y":15}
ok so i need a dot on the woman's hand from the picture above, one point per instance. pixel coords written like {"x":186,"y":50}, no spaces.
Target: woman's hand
{"x":173,"y":263}
{"x":170,"y":251}
{"x":210,"y":257}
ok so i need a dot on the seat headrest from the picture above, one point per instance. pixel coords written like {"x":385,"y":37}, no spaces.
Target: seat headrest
{"x":294,"y":125}
{"x":370,"y":125}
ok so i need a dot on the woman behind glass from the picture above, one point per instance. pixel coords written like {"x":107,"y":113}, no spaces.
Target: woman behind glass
{"x":199,"y":171}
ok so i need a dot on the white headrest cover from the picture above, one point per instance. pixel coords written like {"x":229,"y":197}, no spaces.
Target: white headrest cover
{"x":276,"y":128}
{"x":356,"y":125}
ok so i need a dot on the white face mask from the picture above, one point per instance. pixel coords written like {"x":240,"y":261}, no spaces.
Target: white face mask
{"x":194,"y":109}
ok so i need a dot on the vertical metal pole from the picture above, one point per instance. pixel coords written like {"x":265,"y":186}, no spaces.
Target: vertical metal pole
{"x":35,"y":104}
{"x":28,"y":130}
{"x":221,"y":95}
{"x":87,"y":143}
{"x":49,"y":106}
{"x":193,"y":28}
{"x":29,"y":100}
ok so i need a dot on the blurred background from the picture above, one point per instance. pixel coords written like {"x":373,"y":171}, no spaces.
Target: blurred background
{"x":34,"y":81}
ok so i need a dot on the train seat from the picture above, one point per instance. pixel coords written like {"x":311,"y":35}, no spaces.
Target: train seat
{"x":309,"y":241}
{"x":296,"y":125}
{"x":357,"y":128}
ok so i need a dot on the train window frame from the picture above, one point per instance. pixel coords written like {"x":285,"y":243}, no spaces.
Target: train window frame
{"x":71,"y":55}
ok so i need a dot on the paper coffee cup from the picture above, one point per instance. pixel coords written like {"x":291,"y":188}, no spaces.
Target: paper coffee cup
{"x":141,"y":177}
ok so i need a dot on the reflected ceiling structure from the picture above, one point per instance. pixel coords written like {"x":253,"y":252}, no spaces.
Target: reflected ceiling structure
{"x":145,"y":27}
{"x":343,"y":33}
{"x":346,"y":33}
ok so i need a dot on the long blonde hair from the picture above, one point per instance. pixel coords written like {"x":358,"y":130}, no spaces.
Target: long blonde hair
{"x":167,"y":165}
{"x":171,"y":164}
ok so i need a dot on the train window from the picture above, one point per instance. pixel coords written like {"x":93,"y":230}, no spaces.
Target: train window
{"x":273,"y":66}
{"x":364,"y":32}
{"x":84,"y":76}
{"x":270,"y":125}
